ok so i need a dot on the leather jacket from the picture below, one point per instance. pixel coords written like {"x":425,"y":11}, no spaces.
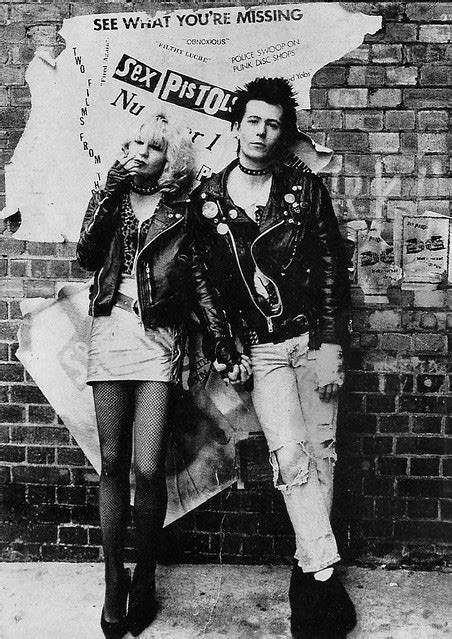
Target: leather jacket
{"x":297,"y":247}
{"x":170,"y":278}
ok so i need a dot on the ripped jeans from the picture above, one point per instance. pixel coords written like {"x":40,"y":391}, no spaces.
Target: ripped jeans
{"x":300,"y":430}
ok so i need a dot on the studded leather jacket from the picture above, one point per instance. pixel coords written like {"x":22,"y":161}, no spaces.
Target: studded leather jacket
{"x":170,"y":276}
{"x":289,"y":269}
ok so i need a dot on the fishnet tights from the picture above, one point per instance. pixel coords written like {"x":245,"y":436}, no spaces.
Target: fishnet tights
{"x":125,"y":410}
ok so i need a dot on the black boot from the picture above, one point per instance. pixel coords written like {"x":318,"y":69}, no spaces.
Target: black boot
{"x":319,"y":609}
{"x":338,"y":610}
{"x":302,"y":603}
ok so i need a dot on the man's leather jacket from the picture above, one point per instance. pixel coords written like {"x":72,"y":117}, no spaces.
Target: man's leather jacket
{"x":170,"y":276}
{"x":297,"y":248}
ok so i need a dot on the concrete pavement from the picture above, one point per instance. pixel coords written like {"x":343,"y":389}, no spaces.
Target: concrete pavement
{"x":64,"y":601}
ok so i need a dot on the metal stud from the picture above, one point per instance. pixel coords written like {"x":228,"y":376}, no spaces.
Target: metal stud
{"x":209,"y":210}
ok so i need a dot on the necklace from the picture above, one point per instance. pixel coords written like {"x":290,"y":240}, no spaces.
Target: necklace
{"x":254,"y":171}
{"x":145,"y":190}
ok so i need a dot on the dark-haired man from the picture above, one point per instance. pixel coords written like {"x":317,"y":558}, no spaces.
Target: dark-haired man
{"x":275,"y":256}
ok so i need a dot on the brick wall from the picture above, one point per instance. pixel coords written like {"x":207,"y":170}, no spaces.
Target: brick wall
{"x":385,"y":106}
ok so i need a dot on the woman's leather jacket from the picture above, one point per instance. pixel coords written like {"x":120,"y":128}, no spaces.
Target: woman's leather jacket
{"x":170,"y":276}
{"x":297,"y":247}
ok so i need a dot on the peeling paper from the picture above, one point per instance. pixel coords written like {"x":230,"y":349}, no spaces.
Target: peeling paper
{"x":376,"y":266}
{"x":118,"y":68}
{"x":413,"y":251}
{"x":426,"y":249}
{"x":208,"y":421}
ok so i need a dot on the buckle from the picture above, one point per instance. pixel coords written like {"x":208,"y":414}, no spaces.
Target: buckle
{"x":292,"y":327}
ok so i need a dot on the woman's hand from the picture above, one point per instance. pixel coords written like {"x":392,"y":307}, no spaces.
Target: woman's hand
{"x":121,"y":174}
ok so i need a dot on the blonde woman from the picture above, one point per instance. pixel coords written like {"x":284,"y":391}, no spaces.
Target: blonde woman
{"x":137,"y":239}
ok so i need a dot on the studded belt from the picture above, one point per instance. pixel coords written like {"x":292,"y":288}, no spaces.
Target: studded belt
{"x":291,"y":327}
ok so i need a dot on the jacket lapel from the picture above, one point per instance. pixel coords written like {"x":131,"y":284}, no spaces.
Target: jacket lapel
{"x":164,"y":218}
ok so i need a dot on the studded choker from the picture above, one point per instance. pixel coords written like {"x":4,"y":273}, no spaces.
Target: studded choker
{"x":145,"y":190}
{"x":254,"y":171}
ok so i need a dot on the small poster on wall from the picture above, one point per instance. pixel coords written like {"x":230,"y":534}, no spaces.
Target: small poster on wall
{"x":425,"y":248}
{"x":376,"y":268}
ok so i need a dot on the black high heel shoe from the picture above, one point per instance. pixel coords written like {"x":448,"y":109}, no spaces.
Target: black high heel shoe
{"x":117,"y":629}
{"x":143,"y":618}
{"x":143,"y":605}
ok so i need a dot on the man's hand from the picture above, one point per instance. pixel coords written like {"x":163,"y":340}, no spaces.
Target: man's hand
{"x":328,"y":392}
{"x":330,"y":371}
{"x":239,"y":374}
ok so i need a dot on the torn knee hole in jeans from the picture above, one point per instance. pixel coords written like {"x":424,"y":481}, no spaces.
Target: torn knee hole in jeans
{"x":327,"y":452}
{"x":298,"y":469}
{"x":329,"y":449}
{"x":324,"y":441}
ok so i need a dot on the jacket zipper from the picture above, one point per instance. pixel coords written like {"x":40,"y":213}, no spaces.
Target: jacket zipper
{"x":268,"y":318}
{"x":148,"y":270}
{"x":95,"y":214}
{"x":97,"y":279}
{"x":136,"y":274}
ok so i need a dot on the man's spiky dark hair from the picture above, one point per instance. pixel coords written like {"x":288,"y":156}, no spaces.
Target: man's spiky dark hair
{"x":276,"y":91}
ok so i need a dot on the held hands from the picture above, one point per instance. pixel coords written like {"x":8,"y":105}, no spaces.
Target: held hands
{"x":237,"y":373}
{"x":233,"y":367}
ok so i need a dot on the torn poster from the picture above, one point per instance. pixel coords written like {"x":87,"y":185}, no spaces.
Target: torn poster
{"x":209,"y":418}
{"x":376,"y":267}
{"x":118,"y":67}
{"x":426,"y":249}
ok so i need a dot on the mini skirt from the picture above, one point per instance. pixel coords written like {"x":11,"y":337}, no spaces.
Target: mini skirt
{"x":122,"y":349}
